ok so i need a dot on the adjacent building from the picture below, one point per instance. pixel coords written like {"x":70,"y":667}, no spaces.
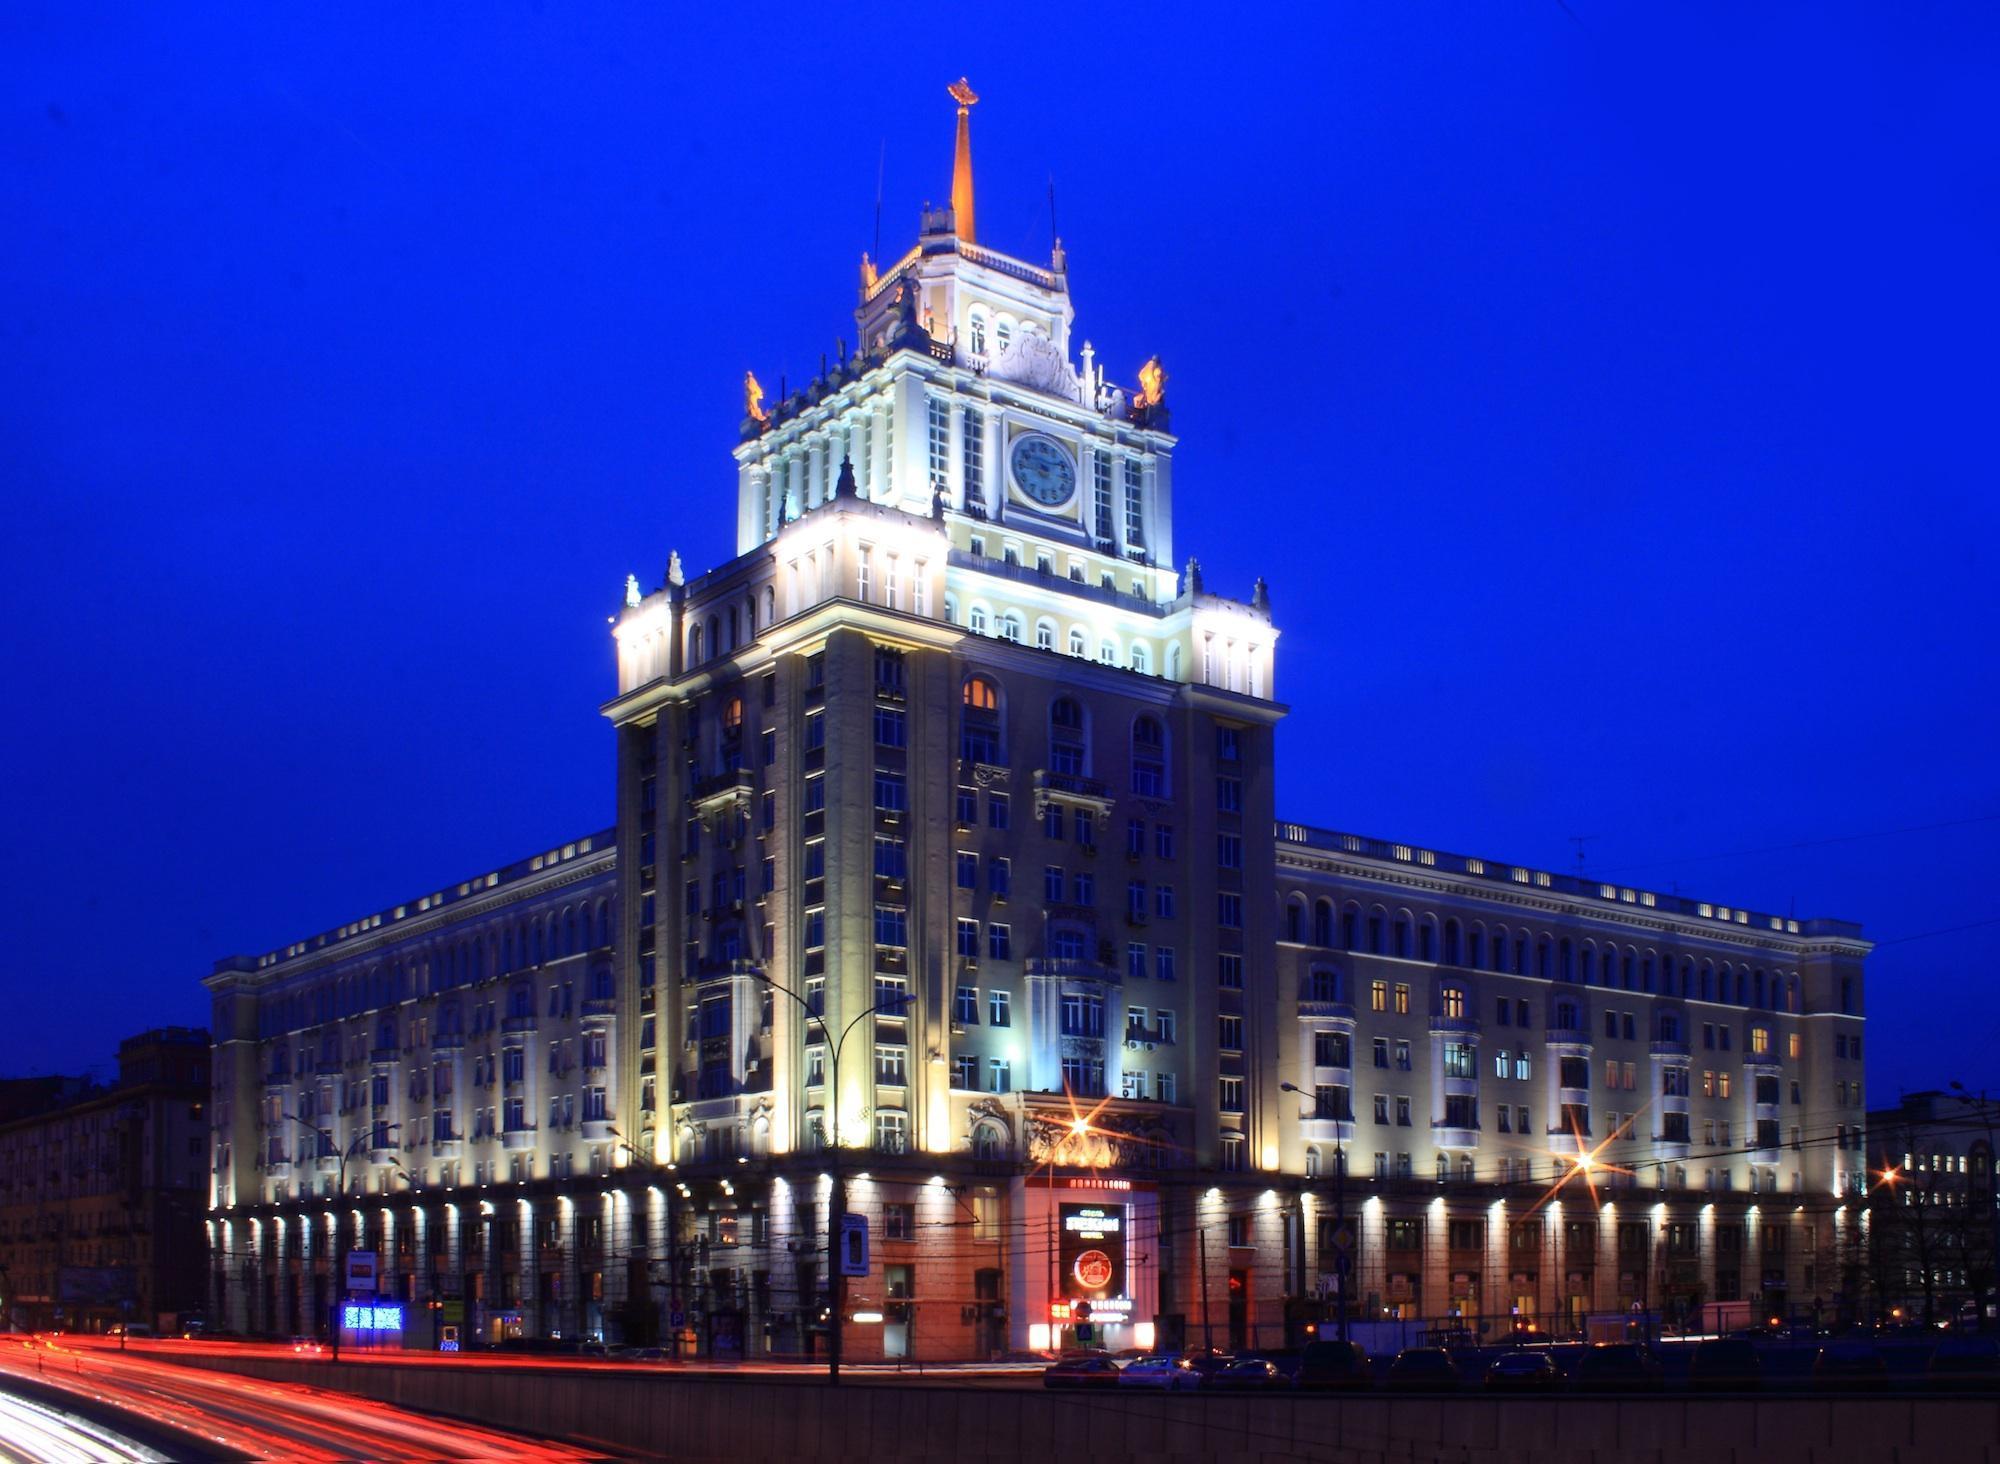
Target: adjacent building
{"x":1930,"y":1248}
{"x":947,"y":870}
{"x":103,"y":1189}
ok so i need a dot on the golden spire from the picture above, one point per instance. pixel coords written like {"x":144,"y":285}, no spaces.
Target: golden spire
{"x":961,"y":161}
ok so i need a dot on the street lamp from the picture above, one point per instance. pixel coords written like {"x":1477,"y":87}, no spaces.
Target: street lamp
{"x":836,"y":1209}
{"x":1339,"y":1204}
{"x":353,"y":1147}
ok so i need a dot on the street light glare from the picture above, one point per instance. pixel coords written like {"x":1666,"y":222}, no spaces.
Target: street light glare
{"x":1079,"y":1125}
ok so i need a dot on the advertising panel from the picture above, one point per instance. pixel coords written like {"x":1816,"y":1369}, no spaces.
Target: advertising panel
{"x":1091,"y":1253}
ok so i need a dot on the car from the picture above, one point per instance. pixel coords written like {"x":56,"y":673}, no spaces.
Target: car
{"x":1164,"y":1370}
{"x":1081,"y":1372}
{"x":130,"y":1329}
{"x":1522,"y":1372}
{"x":307,"y":1346}
{"x":1850,"y":1365}
{"x":1333,"y":1365}
{"x":1726,"y":1365}
{"x":1248,"y":1374}
{"x":1422,"y":1370}
{"x":1617,"y":1367}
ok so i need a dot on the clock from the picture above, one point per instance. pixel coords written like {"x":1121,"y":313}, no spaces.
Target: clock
{"x":1042,"y":469}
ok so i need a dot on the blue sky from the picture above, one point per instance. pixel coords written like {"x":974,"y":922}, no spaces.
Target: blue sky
{"x":1606,"y":398}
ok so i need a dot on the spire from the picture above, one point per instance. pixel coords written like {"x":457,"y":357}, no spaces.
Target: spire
{"x":961,"y":162}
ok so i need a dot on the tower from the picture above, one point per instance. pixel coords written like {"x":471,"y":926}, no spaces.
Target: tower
{"x":945,"y":805}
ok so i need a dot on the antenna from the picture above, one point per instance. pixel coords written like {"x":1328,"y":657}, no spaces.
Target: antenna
{"x":1054,"y":232}
{"x":881,"y":161}
{"x":1580,"y":840}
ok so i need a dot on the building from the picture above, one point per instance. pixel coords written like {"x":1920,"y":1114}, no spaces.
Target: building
{"x":1932,"y":1213}
{"x":102,"y":1190}
{"x":950,"y":891}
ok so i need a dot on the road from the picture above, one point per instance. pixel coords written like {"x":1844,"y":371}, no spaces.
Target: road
{"x":230,"y":1417}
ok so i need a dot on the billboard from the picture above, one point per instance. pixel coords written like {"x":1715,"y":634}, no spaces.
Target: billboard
{"x":101,"y":1286}
{"x":1091,"y":1251}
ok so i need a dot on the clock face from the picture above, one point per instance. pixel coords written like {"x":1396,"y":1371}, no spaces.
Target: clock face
{"x":1042,"y":470}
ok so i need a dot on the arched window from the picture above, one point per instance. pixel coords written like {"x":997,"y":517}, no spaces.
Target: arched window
{"x":1451,"y":1001}
{"x":570,"y":946}
{"x":978,"y":332}
{"x":1499,"y":949}
{"x":1312,"y":1161}
{"x":1475,"y":947}
{"x":1707,"y":980}
{"x":1149,"y":758}
{"x":694,"y":645}
{"x":1323,"y":922}
{"x":1142,"y":658}
{"x":1174,"y":662}
{"x":1107,"y":651}
{"x":1451,"y":942}
{"x":1011,"y":626}
{"x":1569,"y":1017}
{"x":1759,"y":989}
{"x":714,"y":636}
{"x":1045,"y":635}
{"x":1350,"y":929}
{"x":1076,"y":643}
{"x":1068,"y":748}
{"x":1427,"y":939}
{"x":989,"y":1141}
{"x":1401,"y":938}
{"x":1375,"y":932}
{"x":979,"y":726}
{"x":770,"y":604}
{"x":976,"y":621}
{"x":951,"y":609}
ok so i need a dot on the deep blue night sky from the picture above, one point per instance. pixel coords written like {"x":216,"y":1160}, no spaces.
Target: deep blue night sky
{"x":1610,"y":409}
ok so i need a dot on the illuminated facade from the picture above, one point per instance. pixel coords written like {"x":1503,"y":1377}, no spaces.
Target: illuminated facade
{"x":946,"y":836}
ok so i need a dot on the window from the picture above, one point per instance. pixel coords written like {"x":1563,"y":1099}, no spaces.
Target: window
{"x":892,"y":1065}
{"x":1402,"y":1112}
{"x":892,"y":1132}
{"x":1402,"y":998}
{"x":997,"y":942}
{"x":965,"y":1007}
{"x":1229,"y":910}
{"x":1163,"y":963}
{"x":892,"y":859}
{"x":1378,"y":996}
{"x":999,"y":1075}
{"x":1149,"y":773}
{"x":999,"y":875}
{"x":1135,"y":959}
{"x":998,"y":1013}
{"x":1229,"y":851}
{"x":1163,"y":902}
{"x":968,"y":939}
{"x":967,"y":866}
{"x":1453,"y":1001}
{"x":1231,"y":1095}
{"x":1228,"y":795}
{"x":890,"y":728}
{"x":1229,"y":1033}
{"x":1402,"y":1056}
{"x":1381,"y":1050}
{"x":892,"y":925}
{"x":996,"y":810}
{"x":1229,"y":972}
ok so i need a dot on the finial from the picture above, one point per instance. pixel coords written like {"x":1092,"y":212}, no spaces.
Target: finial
{"x":844,"y":486}
{"x":1260,"y":597}
{"x":631,"y":592}
{"x":753,"y":398}
{"x":1193,"y":575}
{"x":961,"y":162}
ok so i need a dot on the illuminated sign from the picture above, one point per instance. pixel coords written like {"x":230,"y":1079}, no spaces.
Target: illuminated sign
{"x":359,"y":1318}
{"x":1091,"y":1252}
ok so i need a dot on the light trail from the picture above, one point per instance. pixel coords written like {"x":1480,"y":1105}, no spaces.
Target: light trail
{"x":265,"y":1419}
{"x":34,"y":1433}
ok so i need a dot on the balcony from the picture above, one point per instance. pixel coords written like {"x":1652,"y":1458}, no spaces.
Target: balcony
{"x":1569,"y":1037}
{"x":596,"y":1130}
{"x":1448,"y":1137}
{"x":447,"y":1042}
{"x":1316,"y":1130}
{"x":517,"y":1140}
{"x":1565,"y":1145}
{"x":712,"y":968}
{"x":1326,"y":1011}
{"x":1056,"y":968}
{"x":1670,"y":1149}
{"x":446,"y":1148}
{"x":1442,"y":1026}
{"x":1070,"y":790}
{"x":1670,"y":1048}
{"x":517,"y":1024}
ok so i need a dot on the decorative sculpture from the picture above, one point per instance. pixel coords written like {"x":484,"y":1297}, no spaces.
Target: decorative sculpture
{"x":753,"y":398}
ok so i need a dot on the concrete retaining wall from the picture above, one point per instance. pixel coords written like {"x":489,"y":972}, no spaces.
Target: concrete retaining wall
{"x":700,"y":1417}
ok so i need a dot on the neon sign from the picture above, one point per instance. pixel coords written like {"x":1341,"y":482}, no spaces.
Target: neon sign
{"x":361,"y":1318}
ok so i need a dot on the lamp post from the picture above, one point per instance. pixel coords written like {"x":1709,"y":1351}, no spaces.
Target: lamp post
{"x":1985,"y":1107}
{"x":836,"y":1209}
{"x":354,"y":1146}
{"x":1339,"y":1203}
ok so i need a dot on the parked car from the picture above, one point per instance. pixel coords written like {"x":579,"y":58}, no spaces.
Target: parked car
{"x":1333,"y":1365}
{"x":308,"y":1346}
{"x":1251,"y":1374}
{"x":1850,"y":1365}
{"x":1422,"y":1370}
{"x":1081,"y":1372}
{"x":1964,"y":1362}
{"x":130,"y":1329}
{"x":1164,"y":1370}
{"x":1522,"y":1372}
{"x":1617,"y":1367}
{"x":1726,"y":1365}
